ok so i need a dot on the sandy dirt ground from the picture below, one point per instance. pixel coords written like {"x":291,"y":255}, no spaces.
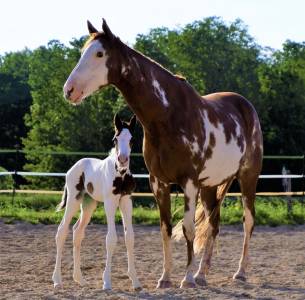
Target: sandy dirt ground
{"x":27,"y":256}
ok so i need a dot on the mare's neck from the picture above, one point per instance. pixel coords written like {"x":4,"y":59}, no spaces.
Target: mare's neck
{"x":143,"y":87}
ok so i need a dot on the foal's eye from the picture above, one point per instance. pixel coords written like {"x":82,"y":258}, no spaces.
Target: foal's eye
{"x":99,"y":54}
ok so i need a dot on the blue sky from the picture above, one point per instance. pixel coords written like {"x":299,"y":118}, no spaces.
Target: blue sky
{"x":31,"y":23}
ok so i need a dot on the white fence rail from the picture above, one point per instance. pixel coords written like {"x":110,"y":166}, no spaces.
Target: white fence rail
{"x":21,"y":173}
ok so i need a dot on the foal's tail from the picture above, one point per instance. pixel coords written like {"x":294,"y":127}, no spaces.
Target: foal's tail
{"x":202,"y":221}
{"x":63,"y":202}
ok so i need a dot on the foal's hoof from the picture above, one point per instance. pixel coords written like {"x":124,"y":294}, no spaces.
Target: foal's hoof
{"x":201,"y":281}
{"x":58,"y":286}
{"x":187,"y":284}
{"x":240,"y":277}
{"x":107,"y":287}
{"x":164,"y":284}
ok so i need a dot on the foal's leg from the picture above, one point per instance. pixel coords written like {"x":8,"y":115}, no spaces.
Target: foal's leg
{"x":87,"y":210}
{"x":126,"y":211}
{"x":110,"y":206}
{"x":72,"y":207}
{"x":188,"y":227}
{"x":248,"y":187}
{"x":162,"y":194}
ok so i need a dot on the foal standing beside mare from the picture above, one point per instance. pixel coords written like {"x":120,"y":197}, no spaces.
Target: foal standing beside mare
{"x":199,"y":143}
{"x":108,"y":181}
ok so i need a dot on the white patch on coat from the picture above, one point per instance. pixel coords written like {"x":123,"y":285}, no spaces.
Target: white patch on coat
{"x":193,"y":146}
{"x":225,"y":157}
{"x":190,"y":192}
{"x":160,"y":93}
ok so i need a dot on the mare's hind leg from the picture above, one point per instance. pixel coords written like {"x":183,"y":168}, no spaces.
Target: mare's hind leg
{"x":72,"y":207}
{"x":87,"y":210}
{"x":211,"y":198}
{"x":247,"y":183}
{"x":209,"y":202}
{"x":126,"y":211}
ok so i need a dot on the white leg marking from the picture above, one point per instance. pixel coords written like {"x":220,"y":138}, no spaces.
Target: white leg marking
{"x":78,"y":235}
{"x":126,"y":211}
{"x":244,"y":261}
{"x":110,"y":206}
{"x":191,"y":193}
{"x":62,"y":232}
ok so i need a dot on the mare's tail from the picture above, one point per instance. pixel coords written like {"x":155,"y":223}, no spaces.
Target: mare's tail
{"x":202,"y":221}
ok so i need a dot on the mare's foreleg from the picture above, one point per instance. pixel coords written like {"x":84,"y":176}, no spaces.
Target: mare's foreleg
{"x":188,"y":227}
{"x":162,"y":194}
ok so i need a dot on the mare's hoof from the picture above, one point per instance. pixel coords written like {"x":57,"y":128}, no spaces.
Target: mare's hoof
{"x":164,"y":284}
{"x":187,"y":284}
{"x":138,"y":289}
{"x":240,"y":277}
{"x":81,"y":282}
{"x":201,"y":281}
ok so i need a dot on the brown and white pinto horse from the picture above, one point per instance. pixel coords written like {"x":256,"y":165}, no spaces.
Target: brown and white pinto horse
{"x":199,"y":143}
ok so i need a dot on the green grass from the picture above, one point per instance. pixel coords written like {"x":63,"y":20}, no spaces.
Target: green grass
{"x":41,"y":209}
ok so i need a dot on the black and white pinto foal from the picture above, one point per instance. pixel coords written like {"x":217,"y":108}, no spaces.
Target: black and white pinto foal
{"x":108,"y":181}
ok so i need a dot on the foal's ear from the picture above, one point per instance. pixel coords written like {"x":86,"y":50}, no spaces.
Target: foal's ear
{"x":107,"y":30}
{"x":132,"y":123}
{"x":91,"y":28}
{"x":117,"y":122}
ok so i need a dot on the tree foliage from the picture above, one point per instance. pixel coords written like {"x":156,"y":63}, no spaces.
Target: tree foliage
{"x":211,"y":54}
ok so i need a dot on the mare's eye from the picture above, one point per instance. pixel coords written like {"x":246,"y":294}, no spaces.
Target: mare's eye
{"x":99,"y":54}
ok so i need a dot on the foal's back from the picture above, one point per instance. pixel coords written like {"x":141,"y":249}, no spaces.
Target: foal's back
{"x":93,"y":176}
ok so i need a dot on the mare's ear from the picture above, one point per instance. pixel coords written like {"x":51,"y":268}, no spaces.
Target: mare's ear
{"x":132,"y":123}
{"x":91,"y":28}
{"x":117,"y":122}
{"x":107,"y":30}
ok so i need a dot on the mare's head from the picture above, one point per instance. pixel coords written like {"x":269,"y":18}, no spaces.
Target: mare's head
{"x":101,"y":62}
{"x":122,"y":140}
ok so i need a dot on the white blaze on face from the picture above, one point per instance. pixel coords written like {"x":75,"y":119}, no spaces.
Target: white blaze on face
{"x":160,"y":93}
{"x":123,"y":143}
{"x":89,"y":74}
{"x":225,"y":157}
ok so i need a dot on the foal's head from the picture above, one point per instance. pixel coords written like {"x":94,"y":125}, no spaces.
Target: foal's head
{"x":122,"y":140}
{"x":100,"y":63}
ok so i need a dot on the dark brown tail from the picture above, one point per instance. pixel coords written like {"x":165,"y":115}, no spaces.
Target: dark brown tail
{"x":63,"y":202}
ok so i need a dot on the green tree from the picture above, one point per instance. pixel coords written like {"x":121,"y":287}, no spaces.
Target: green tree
{"x":282,"y":81}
